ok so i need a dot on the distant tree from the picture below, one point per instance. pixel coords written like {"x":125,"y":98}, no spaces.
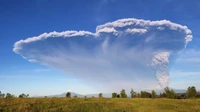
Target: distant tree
{"x":133,"y":94}
{"x":45,"y":96}
{"x":145,"y":94}
{"x":2,"y":95}
{"x":123,"y":94}
{"x":8,"y":95}
{"x":23,"y":95}
{"x":138,"y":95}
{"x":191,"y":92}
{"x":118,"y":95}
{"x":92,"y":97}
{"x":181,"y":96}
{"x":68,"y":95}
{"x":153,"y":93}
{"x":85,"y":96}
{"x":170,"y":93}
{"x":100,"y":95}
{"x":114,"y":95}
{"x":75,"y":96}
{"x":163,"y":95}
{"x":198,"y":95}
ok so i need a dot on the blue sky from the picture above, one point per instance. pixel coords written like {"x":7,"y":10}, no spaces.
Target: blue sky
{"x":21,"y":19}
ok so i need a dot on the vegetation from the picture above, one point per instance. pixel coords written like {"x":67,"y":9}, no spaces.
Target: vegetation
{"x":68,"y":95}
{"x":123,"y":94}
{"x":75,"y":96}
{"x":23,"y":95}
{"x":191,"y":92}
{"x":100,"y":95}
{"x":170,"y":93}
{"x":153,"y":94}
{"x":118,"y":95}
{"x":145,"y":94}
{"x":8,"y":95}
{"x":133,"y":93}
{"x":138,"y":102}
{"x":114,"y":95}
{"x":163,"y":95}
{"x":2,"y":95}
{"x":98,"y":105}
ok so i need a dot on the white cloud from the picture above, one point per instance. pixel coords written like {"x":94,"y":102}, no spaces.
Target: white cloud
{"x":161,"y":28}
{"x":136,"y":30}
{"x":17,"y":45}
{"x":114,"y":54}
{"x":107,"y":30}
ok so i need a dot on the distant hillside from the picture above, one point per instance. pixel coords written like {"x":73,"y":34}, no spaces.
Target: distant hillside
{"x":64,"y":95}
{"x":73,"y":94}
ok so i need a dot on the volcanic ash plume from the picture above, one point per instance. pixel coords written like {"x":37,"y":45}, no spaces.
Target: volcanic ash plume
{"x":160,"y":63}
{"x":127,"y":51}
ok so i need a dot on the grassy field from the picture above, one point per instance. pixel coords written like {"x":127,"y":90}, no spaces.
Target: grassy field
{"x":98,"y":105}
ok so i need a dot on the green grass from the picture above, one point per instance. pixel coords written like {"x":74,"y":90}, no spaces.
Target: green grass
{"x":99,"y":105}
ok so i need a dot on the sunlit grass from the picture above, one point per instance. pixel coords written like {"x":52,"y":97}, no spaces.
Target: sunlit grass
{"x":99,"y":105}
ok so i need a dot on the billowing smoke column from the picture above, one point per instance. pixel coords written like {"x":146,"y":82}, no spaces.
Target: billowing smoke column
{"x":126,"y":50}
{"x":160,"y":62}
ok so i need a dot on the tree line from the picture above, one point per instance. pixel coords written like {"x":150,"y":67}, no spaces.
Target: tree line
{"x":8,"y":95}
{"x":168,"y":93}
